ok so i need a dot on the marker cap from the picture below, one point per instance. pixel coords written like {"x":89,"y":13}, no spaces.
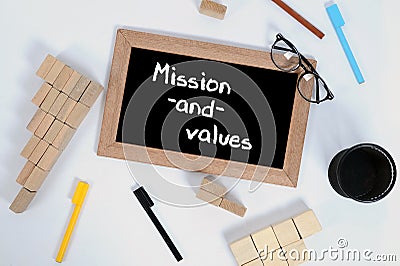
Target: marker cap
{"x":335,"y":16}
{"x":80,"y":193}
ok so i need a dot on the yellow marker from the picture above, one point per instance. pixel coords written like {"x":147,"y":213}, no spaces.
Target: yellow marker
{"x":79,"y":197}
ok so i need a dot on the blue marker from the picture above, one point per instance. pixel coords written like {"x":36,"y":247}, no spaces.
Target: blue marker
{"x":338,"y":22}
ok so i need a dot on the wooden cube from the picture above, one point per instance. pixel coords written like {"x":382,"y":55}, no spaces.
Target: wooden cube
{"x":49,"y":158}
{"x":209,"y":197}
{"x":233,"y":207}
{"x":212,"y":9}
{"x":54,"y":72}
{"x":58,"y":103}
{"x":256,"y":262}
{"x":91,"y":93}
{"x":307,"y":224}
{"x":296,"y":253}
{"x":22,"y":201}
{"x":36,"y":120}
{"x":53,"y":131}
{"x":44,"y":126}
{"x":66,"y":109}
{"x":286,"y":232}
{"x":79,"y":88}
{"x":35,"y":179}
{"x":77,"y":115}
{"x":30,"y":146}
{"x":63,"y":137}
{"x":63,"y":77}
{"x":46,"y":65}
{"x":71,"y":83}
{"x":49,"y":100}
{"x":275,"y":258}
{"x":212,"y":187}
{"x":38,"y":151}
{"x":25,"y":173}
{"x":265,"y":241}
{"x":41,"y":94}
{"x":244,"y":250}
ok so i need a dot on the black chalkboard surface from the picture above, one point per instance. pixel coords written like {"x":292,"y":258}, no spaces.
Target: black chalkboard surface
{"x":173,"y":98}
{"x":278,"y":87}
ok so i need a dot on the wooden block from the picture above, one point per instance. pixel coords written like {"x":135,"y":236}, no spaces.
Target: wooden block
{"x":22,"y":201}
{"x":212,"y":9}
{"x":91,"y":93}
{"x":45,"y":67}
{"x":41,"y":94}
{"x":36,"y":120}
{"x":63,"y":77}
{"x":35,"y":179}
{"x":276,"y":258}
{"x":58,"y":103}
{"x":49,"y":158}
{"x":233,"y":207}
{"x":49,"y":100}
{"x":286,"y":232}
{"x":256,"y":262}
{"x":265,"y":241}
{"x":79,"y":88}
{"x":244,"y":250}
{"x":209,"y":197}
{"x":30,"y":146}
{"x":77,"y":115}
{"x":63,"y":137}
{"x":25,"y":173}
{"x":66,"y":109}
{"x":212,"y":187}
{"x":38,"y":151}
{"x":71,"y":83}
{"x":44,"y":126}
{"x":54,"y":72}
{"x":295,"y":253}
{"x":307,"y":224}
{"x":53,"y":131}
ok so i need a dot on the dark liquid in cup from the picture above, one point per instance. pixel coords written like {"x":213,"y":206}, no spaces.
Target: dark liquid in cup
{"x":364,"y":173}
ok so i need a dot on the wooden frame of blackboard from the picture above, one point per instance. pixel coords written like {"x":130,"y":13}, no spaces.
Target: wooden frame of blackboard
{"x":126,"y":39}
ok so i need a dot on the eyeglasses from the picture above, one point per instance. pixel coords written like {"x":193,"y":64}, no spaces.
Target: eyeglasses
{"x":287,"y":58}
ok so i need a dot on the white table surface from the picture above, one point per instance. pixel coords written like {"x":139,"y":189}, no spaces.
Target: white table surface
{"x":112,"y":228}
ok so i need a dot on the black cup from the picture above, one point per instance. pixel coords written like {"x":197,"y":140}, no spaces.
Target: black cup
{"x":365,"y":173}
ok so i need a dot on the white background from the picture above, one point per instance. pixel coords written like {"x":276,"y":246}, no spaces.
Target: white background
{"x":113,"y":229}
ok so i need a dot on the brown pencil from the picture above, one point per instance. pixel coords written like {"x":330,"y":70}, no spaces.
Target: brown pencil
{"x":299,"y":18}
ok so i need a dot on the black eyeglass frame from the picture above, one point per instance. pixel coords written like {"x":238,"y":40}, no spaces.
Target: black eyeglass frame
{"x":308,"y":69}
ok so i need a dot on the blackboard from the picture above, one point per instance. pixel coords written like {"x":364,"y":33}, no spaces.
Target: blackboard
{"x":143,"y":123}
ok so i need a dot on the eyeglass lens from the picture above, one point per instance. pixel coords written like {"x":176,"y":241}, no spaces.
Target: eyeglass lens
{"x":312,"y":88}
{"x":284,"y":56}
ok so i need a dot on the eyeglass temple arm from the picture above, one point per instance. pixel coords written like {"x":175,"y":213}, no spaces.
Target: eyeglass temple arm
{"x":283,"y":49}
{"x":317,"y":91}
{"x":305,"y":60}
